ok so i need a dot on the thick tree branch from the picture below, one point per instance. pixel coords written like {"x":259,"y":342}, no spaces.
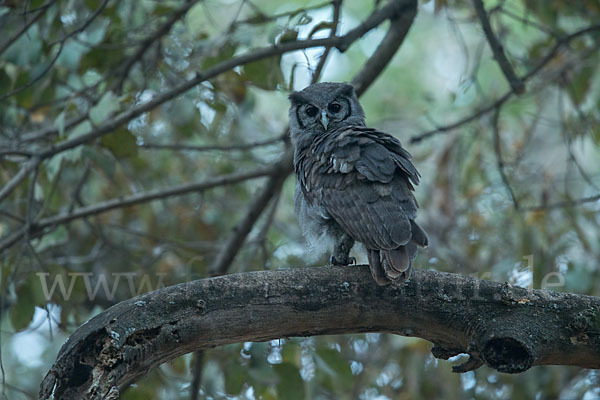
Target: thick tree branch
{"x":505,"y":327}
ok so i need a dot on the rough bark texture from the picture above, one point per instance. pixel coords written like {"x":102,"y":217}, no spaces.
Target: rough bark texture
{"x":505,"y":327}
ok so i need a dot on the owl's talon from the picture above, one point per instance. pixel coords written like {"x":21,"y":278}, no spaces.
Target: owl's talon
{"x":343,"y":261}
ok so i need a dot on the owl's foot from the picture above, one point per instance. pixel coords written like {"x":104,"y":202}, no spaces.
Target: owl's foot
{"x":341,"y":253}
{"x":342,"y":260}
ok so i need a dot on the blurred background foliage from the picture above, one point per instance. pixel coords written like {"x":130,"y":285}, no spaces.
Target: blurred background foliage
{"x":511,"y":194}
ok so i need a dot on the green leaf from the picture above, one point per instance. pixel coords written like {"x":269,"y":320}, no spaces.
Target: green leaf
{"x":59,"y":123}
{"x":21,"y":312}
{"x":265,"y":74}
{"x":332,"y":362}
{"x":100,"y":158}
{"x":235,"y":378}
{"x":91,"y":77}
{"x":55,"y":163}
{"x":121,"y":143}
{"x":224,"y":53}
{"x":161,"y":10}
{"x":580,"y":84}
{"x":108,"y":104}
{"x":5,"y":81}
{"x":288,"y":35}
{"x":290,"y":385}
{"x":596,"y":133}
{"x":54,"y":238}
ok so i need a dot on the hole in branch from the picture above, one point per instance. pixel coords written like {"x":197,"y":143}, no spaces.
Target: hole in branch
{"x":507,"y":355}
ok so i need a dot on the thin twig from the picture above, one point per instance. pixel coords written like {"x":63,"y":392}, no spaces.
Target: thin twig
{"x":564,"y":204}
{"x":163,"y":30}
{"x":261,"y":17}
{"x":84,"y":25}
{"x":337,"y":5}
{"x":565,"y":134}
{"x":499,"y":160}
{"x":463,"y":121}
{"x":11,"y":216}
{"x":19,"y":177}
{"x":37,"y":78}
{"x":197,"y":375}
{"x":40,"y":12}
{"x":516,"y":84}
{"x":528,"y":22}
{"x":184,"y":147}
{"x":261,"y":238}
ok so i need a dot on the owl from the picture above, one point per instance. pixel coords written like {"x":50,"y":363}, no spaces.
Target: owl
{"x":353,"y":183}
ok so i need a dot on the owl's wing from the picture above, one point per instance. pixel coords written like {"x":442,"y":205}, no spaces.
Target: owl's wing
{"x":364,"y":180}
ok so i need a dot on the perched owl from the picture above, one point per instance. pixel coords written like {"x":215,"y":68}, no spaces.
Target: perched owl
{"x":353,"y":183}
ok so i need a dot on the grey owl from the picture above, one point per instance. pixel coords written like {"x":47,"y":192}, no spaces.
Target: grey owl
{"x":353,"y":183}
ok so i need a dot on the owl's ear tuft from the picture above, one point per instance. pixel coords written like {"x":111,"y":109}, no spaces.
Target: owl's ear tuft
{"x":297,"y":98}
{"x":347,"y":89}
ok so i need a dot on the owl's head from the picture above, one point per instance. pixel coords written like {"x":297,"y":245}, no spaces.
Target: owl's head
{"x":324,"y":107}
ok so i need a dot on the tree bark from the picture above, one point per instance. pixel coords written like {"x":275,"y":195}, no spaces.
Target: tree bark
{"x":505,"y":327}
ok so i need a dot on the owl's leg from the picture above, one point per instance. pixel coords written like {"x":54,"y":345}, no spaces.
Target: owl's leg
{"x":341,"y":253}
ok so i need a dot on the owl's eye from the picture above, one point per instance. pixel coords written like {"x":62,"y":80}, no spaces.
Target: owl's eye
{"x":334,"y":107}
{"x":311,"y":111}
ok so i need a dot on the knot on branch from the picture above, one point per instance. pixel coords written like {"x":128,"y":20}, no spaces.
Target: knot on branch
{"x":507,"y":354}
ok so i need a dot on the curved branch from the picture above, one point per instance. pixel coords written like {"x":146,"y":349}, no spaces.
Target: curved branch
{"x":38,"y":227}
{"x":507,"y":328}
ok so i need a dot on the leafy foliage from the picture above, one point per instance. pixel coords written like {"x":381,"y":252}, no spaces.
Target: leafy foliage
{"x":511,"y":194}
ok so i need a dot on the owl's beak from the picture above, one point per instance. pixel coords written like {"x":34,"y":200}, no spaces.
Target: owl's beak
{"x":324,"y":119}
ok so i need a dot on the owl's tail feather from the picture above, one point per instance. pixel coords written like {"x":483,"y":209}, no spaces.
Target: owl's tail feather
{"x":391,"y":265}
{"x":376,"y":269}
{"x":418,"y":235}
{"x":397,"y":263}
